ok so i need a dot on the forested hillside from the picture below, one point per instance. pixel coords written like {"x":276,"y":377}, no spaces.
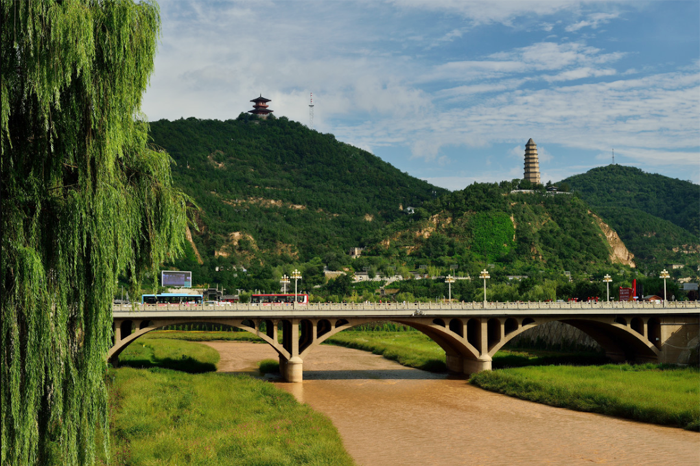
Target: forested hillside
{"x":273,"y":192}
{"x":657,"y":217}
{"x":485,"y":223}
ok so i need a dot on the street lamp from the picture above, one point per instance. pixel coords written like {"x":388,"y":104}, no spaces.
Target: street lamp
{"x":449,"y":280}
{"x":664,"y":275}
{"x":284,"y":282}
{"x":296,"y":275}
{"x":484,"y":275}
{"x":607,"y":281}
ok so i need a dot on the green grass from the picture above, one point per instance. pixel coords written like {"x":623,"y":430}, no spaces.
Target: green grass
{"x":172,"y":354}
{"x":665,"y":395}
{"x":171,"y":417}
{"x":192,"y":335}
{"x":269,"y":366}
{"x":164,"y":417}
{"x":414,"y":349}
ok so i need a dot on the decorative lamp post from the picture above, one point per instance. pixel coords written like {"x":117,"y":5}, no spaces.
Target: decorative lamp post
{"x":484,"y":275}
{"x":664,"y":275}
{"x":449,"y":280}
{"x":296,"y":275}
{"x":284,"y":282}
{"x":607,"y":281}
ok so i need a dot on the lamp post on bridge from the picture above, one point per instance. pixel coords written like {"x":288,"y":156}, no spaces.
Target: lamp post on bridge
{"x":665,"y":275}
{"x":449,"y":280}
{"x":296,"y":275}
{"x":484,"y":275}
{"x":607,"y":281}
{"x":284,"y":282}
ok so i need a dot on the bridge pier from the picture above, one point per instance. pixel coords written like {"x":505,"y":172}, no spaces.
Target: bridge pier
{"x":473,"y":366}
{"x":292,"y":370}
{"x":459,"y":365}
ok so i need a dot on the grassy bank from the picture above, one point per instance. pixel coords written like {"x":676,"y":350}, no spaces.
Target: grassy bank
{"x":171,"y":417}
{"x":413,"y":349}
{"x":665,"y":395}
{"x":192,"y":335}
{"x":170,"y":354}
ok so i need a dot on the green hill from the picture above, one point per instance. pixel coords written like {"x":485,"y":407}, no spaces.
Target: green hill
{"x":657,"y":217}
{"x":486,"y":223}
{"x":274,"y":192}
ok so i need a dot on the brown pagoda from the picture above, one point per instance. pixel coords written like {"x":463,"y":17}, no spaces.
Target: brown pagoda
{"x":532,"y":164}
{"x":260,"y":107}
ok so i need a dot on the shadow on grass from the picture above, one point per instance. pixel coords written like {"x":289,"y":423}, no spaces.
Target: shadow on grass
{"x":183,"y":364}
{"x":561,"y":359}
{"x":269,"y":366}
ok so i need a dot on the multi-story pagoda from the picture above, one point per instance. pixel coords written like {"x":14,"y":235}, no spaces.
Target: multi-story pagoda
{"x":260,"y":107}
{"x":532,"y":164}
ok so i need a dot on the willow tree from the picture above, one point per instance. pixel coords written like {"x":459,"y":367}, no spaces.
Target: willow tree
{"x":84,"y":199}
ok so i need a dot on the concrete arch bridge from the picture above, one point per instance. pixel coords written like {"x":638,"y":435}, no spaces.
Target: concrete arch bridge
{"x":470,"y":333}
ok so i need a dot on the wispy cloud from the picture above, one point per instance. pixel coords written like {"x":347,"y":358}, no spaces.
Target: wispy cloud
{"x":435,"y":75}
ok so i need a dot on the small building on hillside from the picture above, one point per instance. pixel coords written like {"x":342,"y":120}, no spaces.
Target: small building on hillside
{"x":356,"y":252}
{"x":690,"y":287}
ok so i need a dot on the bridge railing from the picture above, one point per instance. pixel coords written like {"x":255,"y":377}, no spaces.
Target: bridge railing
{"x":461,"y":306}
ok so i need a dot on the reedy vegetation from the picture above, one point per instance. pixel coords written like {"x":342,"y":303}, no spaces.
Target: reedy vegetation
{"x":84,"y":199}
{"x":666,"y":395}
{"x":169,"y":417}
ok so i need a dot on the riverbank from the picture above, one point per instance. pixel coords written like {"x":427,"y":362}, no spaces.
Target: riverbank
{"x":664,"y":395}
{"x":414,"y":349}
{"x":166,"y":416}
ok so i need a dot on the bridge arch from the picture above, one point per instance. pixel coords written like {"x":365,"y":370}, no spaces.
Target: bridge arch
{"x":136,"y":328}
{"x":620,"y":341}
{"x":452,"y":342}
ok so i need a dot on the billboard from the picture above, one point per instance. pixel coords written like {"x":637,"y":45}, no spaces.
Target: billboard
{"x":626,"y":294}
{"x":176,"y":278}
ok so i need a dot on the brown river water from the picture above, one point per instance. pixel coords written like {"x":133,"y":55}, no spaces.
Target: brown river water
{"x":388,"y":414}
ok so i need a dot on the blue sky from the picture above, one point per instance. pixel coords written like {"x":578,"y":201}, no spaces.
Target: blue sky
{"x":448,"y":90}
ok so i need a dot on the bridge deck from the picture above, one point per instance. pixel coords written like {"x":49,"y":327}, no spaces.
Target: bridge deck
{"x":402,"y":309}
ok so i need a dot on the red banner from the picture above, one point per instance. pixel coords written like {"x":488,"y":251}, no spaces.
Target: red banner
{"x":626,"y":294}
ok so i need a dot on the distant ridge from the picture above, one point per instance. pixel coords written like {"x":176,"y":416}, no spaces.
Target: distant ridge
{"x":657,"y":217}
{"x":273,"y":191}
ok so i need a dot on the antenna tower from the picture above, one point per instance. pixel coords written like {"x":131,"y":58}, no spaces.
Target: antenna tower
{"x":613,"y":156}
{"x":311,"y":111}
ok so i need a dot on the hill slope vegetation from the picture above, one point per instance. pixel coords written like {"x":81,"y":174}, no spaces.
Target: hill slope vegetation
{"x":272,"y":191}
{"x":657,"y":217}
{"x":486,"y":223}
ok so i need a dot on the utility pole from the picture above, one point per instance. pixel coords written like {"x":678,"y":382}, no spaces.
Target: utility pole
{"x":311,"y":111}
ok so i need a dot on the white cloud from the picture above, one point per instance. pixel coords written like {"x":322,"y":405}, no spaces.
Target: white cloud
{"x":504,"y":12}
{"x":594,"y":20}
{"x":413,"y":74}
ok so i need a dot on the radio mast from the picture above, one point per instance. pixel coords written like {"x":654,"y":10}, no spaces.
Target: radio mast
{"x":613,"y":156}
{"x":311,"y":111}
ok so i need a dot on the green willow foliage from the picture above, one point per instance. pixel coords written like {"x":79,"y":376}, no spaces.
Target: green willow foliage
{"x":84,"y":199}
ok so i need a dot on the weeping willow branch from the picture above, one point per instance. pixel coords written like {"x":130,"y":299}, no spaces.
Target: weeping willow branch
{"x":83,"y":199}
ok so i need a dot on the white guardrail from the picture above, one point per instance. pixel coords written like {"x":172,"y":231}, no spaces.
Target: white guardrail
{"x":684,"y":307}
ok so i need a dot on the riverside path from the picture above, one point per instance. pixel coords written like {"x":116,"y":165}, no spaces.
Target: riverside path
{"x":470,"y":333}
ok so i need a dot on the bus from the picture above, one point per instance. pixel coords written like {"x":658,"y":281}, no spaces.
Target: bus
{"x":171,"y":298}
{"x":279,"y":299}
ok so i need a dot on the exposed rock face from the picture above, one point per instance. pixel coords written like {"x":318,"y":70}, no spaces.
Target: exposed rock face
{"x":188,"y":234}
{"x":234,"y":238}
{"x":619,"y":253}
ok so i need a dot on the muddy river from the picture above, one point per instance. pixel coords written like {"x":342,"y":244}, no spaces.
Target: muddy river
{"x":391,"y":415}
